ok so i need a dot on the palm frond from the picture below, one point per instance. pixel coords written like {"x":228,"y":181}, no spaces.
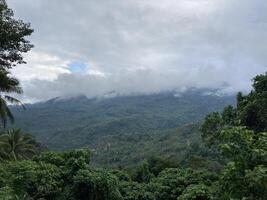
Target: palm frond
{"x":16,"y":145}
{"x":9,"y":84}
{"x":14,"y":101}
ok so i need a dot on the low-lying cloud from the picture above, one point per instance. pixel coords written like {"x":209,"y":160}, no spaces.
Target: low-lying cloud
{"x":141,"y":81}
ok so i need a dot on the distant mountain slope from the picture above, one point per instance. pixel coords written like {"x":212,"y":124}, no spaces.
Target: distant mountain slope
{"x":107,"y":124}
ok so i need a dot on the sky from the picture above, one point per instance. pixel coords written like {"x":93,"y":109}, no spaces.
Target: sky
{"x":98,"y":47}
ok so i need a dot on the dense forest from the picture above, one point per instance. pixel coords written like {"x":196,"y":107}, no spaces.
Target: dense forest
{"x":230,"y":163}
{"x":121,"y":130}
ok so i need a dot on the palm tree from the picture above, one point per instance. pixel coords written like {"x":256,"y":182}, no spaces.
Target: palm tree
{"x":15,"y":145}
{"x":8,"y":85}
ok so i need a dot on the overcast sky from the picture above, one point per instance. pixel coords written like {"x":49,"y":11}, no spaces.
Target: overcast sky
{"x":141,"y":46}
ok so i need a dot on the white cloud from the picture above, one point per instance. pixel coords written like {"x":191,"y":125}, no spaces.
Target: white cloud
{"x":142,"y":46}
{"x":41,"y":66}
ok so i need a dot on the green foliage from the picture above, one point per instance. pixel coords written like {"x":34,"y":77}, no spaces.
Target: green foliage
{"x":254,"y":112}
{"x":121,"y":130}
{"x":51,"y":157}
{"x":260,"y":83}
{"x":68,"y":157}
{"x":68,"y":175}
{"x":57,"y":176}
{"x":211,"y":127}
{"x":8,"y":85}
{"x":241,"y":174}
{"x":173,"y":182}
{"x":15,"y":145}
{"x":245,"y":175}
{"x":7,"y":193}
{"x":95,"y":185}
{"x":197,"y":192}
{"x":137,"y":191}
{"x":251,"y":111}
{"x":148,"y":124}
{"x":121,"y":174}
{"x":37,"y":180}
{"x":169,"y":184}
{"x":240,"y":134}
{"x":237,"y":143}
{"x":12,"y":45}
{"x":142,"y":173}
{"x":156,"y":164}
{"x":229,"y":115}
{"x":13,"y":42}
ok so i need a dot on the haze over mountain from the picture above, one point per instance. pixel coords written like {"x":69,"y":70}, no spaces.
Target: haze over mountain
{"x":115,"y":127}
{"x":93,"y":47}
{"x":133,"y":100}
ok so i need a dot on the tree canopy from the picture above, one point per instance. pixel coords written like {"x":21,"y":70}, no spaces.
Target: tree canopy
{"x":13,"y":44}
{"x":238,"y":135}
{"x":240,"y":150}
{"x":13,"y":38}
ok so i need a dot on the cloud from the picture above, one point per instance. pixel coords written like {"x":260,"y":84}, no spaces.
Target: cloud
{"x":142,"y":46}
{"x":132,"y":82}
{"x":41,"y":66}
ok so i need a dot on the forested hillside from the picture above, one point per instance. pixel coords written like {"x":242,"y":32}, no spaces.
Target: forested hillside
{"x":121,"y":130}
{"x":231,"y":164}
{"x":163,"y":146}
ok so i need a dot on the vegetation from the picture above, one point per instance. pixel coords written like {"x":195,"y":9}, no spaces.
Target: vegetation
{"x":236,"y":140}
{"x":13,"y":40}
{"x":240,"y":152}
{"x":14,"y":145}
{"x":12,"y":45}
{"x":8,"y":85}
{"x":122,"y":130}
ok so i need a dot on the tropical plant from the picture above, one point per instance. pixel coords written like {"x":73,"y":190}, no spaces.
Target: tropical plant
{"x":250,"y":111}
{"x":196,"y":192}
{"x":12,"y":38}
{"x":96,"y":185}
{"x":15,"y":145}
{"x":245,"y":175}
{"x":13,"y":44}
{"x":8,"y":85}
{"x":240,"y":134}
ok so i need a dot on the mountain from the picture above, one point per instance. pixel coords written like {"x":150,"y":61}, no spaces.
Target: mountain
{"x":116,"y":128}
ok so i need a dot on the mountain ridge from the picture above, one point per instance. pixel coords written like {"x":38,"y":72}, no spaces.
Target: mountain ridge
{"x":88,"y":122}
